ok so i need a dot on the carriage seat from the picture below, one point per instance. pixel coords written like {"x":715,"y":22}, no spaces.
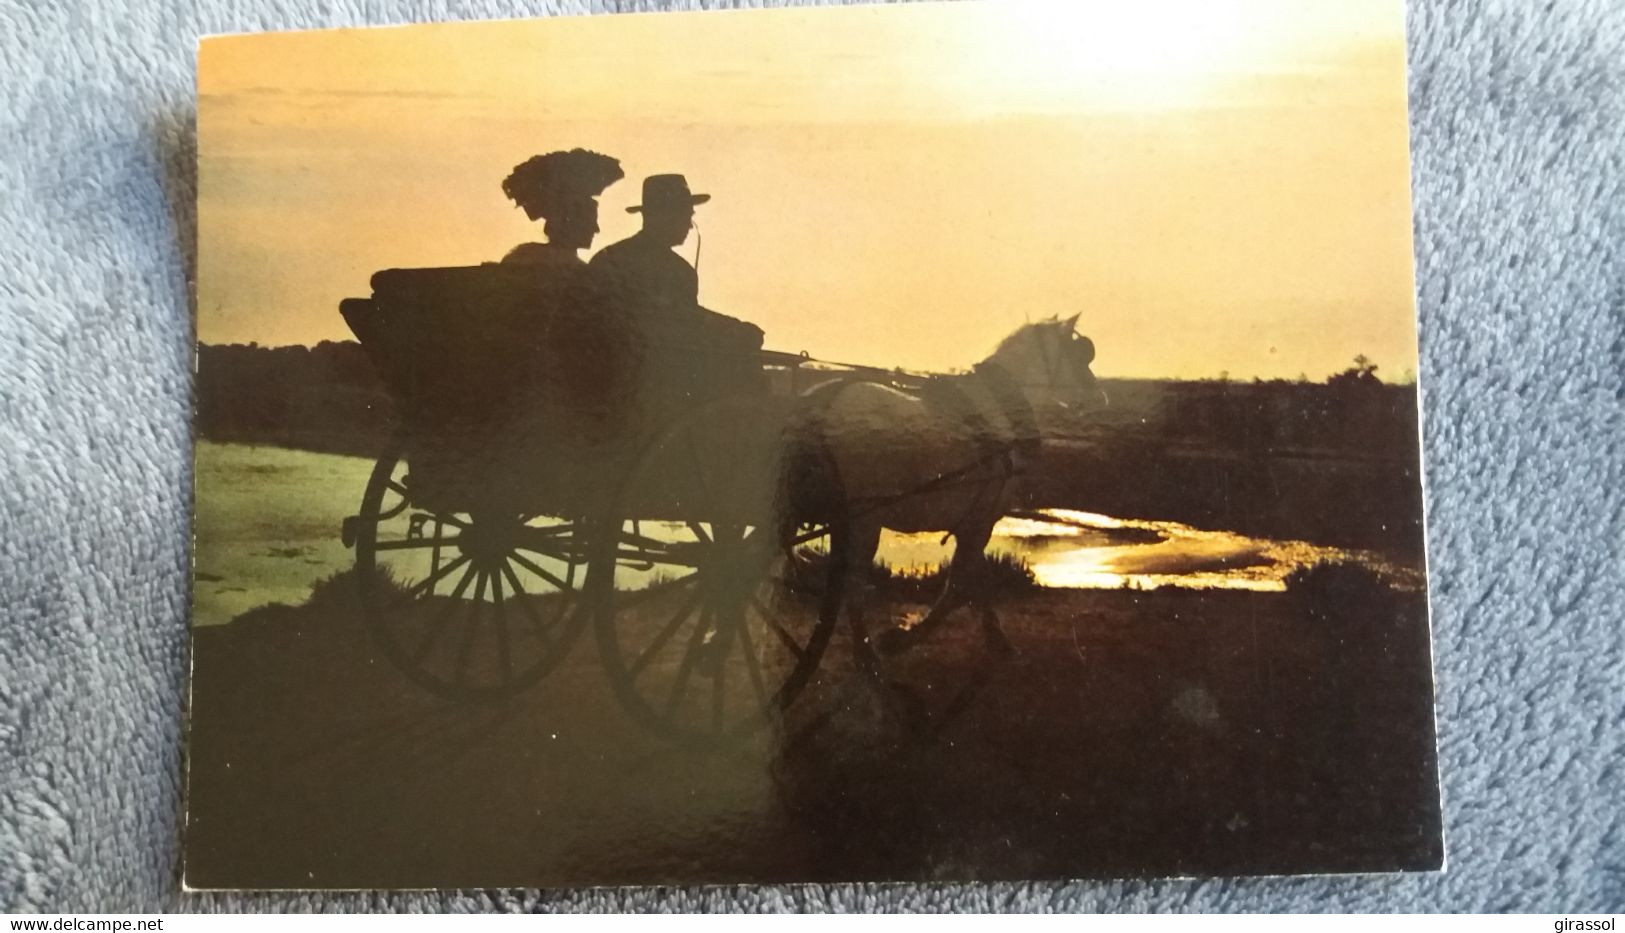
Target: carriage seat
{"x":471,"y":338}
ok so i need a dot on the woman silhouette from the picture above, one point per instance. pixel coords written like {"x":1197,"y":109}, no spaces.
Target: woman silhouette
{"x":562,"y":189}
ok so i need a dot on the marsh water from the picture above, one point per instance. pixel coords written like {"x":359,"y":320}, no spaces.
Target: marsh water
{"x":268,"y":528}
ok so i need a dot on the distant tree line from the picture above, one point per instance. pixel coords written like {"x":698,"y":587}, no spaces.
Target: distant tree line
{"x":1336,"y":462}
{"x":325,"y":398}
{"x":1353,"y":412}
{"x":328,"y":398}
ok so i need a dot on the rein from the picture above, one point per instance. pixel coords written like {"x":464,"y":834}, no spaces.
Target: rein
{"x":1006,"y":451}
{"x":1015,"y":407}
{"x":996,"y":450}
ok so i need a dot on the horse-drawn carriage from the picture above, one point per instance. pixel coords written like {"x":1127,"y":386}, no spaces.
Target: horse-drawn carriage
{"x":567,"y":460}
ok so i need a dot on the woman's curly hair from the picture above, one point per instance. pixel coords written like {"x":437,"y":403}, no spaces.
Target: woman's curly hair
{"x":543,"y":184}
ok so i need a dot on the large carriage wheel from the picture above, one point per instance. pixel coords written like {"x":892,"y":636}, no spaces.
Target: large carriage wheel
{"x":469,"y":605}
{"x":713,"y":609}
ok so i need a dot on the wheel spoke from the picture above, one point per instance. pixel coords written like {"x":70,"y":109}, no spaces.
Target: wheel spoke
{"x":449,"y":519}
{"x":434,"y":557}
{"x":772,"y":623}
{"x":696,"y":643}
{"x":504,"y":659}
{"x":665,"y":635}
{"x":718,"y":695}
{"x":426,"y":585}
{"x":389,"y":513}
{"x":526,"y":605}
{"x":672,"y":643}
{"x":548,"y":541}
{"x":477,"y":615}
{"x":803,"y":537}
{"x":538,"y":570}
{"x":437,"y":625}
{"x":753,"y":667}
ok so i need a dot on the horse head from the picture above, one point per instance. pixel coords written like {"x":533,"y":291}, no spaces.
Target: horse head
{"x":1051,"y":362}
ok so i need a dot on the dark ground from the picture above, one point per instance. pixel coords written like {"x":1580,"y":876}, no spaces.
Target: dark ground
{"x":1131,"y":734}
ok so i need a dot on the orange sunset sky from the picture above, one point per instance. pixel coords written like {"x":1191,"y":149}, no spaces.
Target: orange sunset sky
{"x":1215,"y":185}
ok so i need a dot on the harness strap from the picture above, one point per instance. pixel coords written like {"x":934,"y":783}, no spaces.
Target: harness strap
{"x":1015,"y":407}
{"x":946,"y":393}
{"x":994,"y":448}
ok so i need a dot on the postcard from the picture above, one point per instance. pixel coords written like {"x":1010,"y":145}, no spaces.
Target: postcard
{"x":921,"y":442}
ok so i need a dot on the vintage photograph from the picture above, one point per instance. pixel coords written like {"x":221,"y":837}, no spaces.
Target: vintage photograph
{"x":937,"y":441}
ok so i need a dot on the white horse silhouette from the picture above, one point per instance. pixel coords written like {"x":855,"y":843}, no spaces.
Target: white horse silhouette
{"x":949,"y":459}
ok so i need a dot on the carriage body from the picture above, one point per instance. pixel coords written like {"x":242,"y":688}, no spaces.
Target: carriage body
{"x":532,"y":390}
{"x":567,"y":458}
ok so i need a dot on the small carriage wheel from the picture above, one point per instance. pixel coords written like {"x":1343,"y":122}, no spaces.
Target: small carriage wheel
{"x":469,"y":606}
{"x":712,"y":607}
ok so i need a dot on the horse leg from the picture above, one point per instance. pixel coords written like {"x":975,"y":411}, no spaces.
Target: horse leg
{"x":998,"y":643}
{"x":963,"y":580}
{"x":999,"y":649}
{"x":862,"y":542}
{"x":995,"y":640}
{"x":868,"y":695}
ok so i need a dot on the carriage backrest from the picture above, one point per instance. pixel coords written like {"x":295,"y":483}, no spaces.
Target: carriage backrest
{"x":466,"y":341}
{"x":460,"y":331}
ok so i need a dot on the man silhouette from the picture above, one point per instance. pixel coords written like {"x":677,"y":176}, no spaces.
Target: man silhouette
{"x":643,"y":268}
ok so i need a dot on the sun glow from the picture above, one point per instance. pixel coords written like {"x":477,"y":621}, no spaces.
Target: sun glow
{"x":1152,"y":55}
{"x":895,"y":184}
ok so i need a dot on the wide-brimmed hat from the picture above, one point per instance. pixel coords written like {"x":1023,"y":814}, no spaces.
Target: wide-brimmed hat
{"x":667,"y":192}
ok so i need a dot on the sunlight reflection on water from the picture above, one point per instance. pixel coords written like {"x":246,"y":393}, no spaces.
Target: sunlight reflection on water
{"x":253,"y":548}
{"x":1082,"y":550}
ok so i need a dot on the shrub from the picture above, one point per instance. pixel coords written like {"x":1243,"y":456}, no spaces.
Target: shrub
{"x":340,"y":591}
{"x":1332,"y":577}
{"x":1004,"y":574}
{"x":1338,"y":590}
